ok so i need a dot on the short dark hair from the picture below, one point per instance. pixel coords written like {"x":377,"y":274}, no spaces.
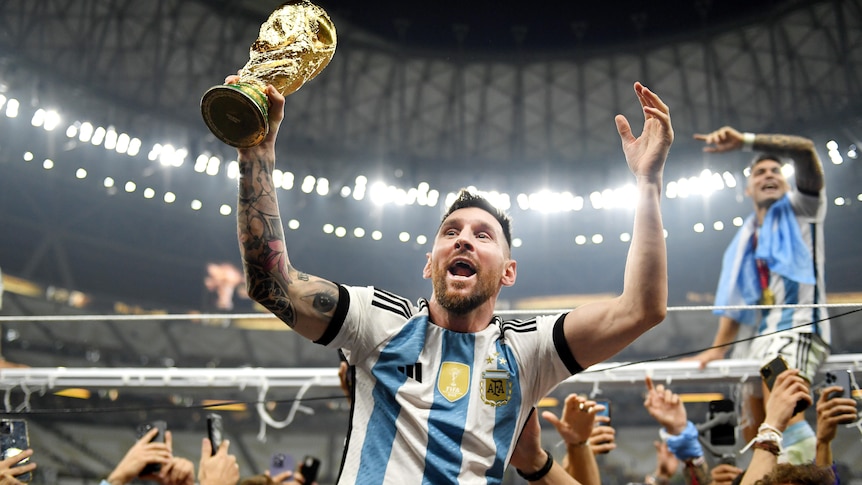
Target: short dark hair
{"x":468,"y":199}
{"x":807,"y":474}
{"x":764,"y":156}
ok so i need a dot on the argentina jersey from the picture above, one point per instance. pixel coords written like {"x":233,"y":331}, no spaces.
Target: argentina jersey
{"x":810,"y":213}
{"x":433,"y":406}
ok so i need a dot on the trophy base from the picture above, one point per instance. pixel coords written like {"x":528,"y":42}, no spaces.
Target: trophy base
{"x":236,"y":114}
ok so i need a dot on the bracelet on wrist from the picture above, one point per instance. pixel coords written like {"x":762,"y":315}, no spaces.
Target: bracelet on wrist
{"x":579,"y":444}
{"x":541,"y":472}
{"x":748,"y":142}
{"x":769,"y":446}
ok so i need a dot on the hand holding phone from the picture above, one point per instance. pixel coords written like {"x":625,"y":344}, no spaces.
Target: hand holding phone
{"x":770,"y":372}
{"x":309,"y":468}
{"x":14,"y":440}
{"x":162,"y":426}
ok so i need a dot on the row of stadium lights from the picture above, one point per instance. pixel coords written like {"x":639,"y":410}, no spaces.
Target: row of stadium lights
{"x":381,"y":194}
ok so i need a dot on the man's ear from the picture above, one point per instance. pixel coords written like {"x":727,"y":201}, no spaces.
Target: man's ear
{"x":426,"y":271}
{"x":510,"y":273}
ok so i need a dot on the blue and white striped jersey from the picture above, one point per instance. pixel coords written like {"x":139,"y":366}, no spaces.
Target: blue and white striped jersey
{"x":433,"y":406}
{"x":810,"y":212}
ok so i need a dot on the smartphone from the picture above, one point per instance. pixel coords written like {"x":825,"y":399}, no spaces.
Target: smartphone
{"x":162,"y":426}
{"x":215,"y":431}
{"x":309,"y":468}
{"x":14,"y":439}
{"x":282,"y":462}
{"x":607,"y":412}
{"x":721,"y":434}
{"x":840,"y":378}
{"x":769,"y":373}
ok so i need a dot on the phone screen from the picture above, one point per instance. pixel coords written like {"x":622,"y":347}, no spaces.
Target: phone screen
{"x":605,"y":412}
{"x":721,"y":434}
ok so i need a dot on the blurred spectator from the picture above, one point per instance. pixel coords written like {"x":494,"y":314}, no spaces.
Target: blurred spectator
{"x":787,"y":474}
{"x":576,"y":428}
{"x":831,"y":411}
{"x":224,"y":280}
{"x":680,"y":434}
{"x":145,"y":451}
{"x":789,"y":387}
{"x":534,"y":464}
{"x":666,"y":465}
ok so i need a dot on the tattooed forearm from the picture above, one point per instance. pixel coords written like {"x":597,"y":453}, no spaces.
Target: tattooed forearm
{"x":322,"y":297}
{"x":303,"y":302}
{"x":271,"y":293}
{"x":809,"y":170}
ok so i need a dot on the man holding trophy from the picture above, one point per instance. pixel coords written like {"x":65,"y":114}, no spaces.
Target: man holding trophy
{"x":442,"y":388}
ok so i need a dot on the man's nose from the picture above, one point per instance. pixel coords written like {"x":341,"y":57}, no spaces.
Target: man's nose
{"x":463,"y":242}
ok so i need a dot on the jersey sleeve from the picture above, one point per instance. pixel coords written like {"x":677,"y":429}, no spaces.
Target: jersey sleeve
{"x":808,"y":206}
{"x":365,"y":318}
{"x":544,"y":356}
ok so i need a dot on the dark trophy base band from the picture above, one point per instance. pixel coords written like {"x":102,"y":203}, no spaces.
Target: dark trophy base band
{"x":236,"y":114}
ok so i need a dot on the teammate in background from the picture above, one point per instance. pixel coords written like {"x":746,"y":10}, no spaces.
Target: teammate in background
{"x":776,"y":258}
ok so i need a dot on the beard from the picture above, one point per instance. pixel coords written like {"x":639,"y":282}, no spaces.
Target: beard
{"x":458,"y":303}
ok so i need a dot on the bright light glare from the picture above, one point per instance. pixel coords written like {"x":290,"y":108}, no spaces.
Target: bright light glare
{"x":196,"y":205}
{"x":12,"y":108}
{"x":81,"y":173}
{"x":225,"y":210}
{"x":376,"y":235}
{"x":699,"y":227}
{"x":48,"y":164}
{"x":404,"y":237}
{"x":293,"y":224}
{"x":170,"y":197}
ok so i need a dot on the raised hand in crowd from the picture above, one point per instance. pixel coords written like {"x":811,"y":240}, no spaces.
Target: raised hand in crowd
{"x":219,"y":469}
{"x":831,"y":411}
{"x":534,"y":464}
{"x":665,"y":467}
{"x":179,"y":471}
{"x":144,"y":452}
{"x":576,"y":427}
{"x":789,"y":387}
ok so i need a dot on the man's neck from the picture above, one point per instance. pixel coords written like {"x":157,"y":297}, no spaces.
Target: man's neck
{"x":474,"y":321}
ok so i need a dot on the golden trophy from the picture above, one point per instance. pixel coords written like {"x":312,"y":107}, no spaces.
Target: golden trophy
{"x":295,"y":43}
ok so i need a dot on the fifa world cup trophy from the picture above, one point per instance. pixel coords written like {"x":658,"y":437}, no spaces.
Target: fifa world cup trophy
{"x":295,"y":43}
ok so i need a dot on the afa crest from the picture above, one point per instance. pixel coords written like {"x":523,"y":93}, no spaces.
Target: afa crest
{"x":496,"y":387}
{"x":453,"y":382}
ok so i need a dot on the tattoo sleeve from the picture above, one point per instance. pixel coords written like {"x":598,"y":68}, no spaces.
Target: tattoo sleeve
{"x":271,"y":279}
{"x":809,"y":170}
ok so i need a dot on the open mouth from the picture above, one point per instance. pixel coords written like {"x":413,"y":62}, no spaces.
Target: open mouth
{"x":462,"y":268}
